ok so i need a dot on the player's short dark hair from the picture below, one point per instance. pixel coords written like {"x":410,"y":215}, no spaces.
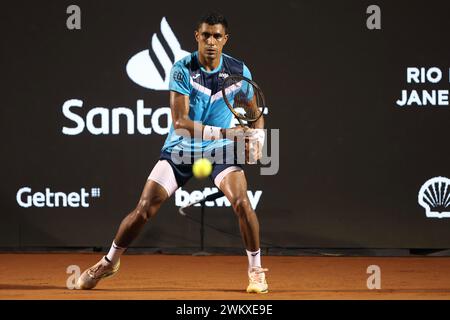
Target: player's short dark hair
{"x":213,"y":18}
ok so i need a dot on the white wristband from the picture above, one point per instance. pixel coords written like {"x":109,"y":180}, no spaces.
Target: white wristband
{"x":212,"y":133}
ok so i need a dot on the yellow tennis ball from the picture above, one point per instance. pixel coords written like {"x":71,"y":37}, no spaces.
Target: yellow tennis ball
{"x":202,"y":168}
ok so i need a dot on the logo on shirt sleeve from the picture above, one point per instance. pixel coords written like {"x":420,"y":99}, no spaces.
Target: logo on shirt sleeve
{"x":178,"y":76}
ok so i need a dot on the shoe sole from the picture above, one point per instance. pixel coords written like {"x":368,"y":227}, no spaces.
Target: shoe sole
{"x":258,"y":292}
{"x":251,"y":290}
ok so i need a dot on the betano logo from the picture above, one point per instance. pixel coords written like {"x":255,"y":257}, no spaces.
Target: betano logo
{"x":434,"y":197}
{"x":26,"y":198}
{"x":151,"y":68}
{"x":183,"y":198}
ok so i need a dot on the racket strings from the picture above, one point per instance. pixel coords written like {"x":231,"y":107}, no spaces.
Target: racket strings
{"x":246,"y":100}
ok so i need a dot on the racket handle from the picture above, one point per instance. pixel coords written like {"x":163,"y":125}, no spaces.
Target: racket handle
{"x":211,"y":197}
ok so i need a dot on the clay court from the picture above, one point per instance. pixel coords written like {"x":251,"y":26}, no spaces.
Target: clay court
{"x":184,"y":277}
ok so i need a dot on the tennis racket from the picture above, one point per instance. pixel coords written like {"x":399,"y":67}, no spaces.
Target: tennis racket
{"x":211,"y":197}
{"x":244,"y":98}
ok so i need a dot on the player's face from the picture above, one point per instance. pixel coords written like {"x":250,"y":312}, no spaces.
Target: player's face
{"x":211,"y":39}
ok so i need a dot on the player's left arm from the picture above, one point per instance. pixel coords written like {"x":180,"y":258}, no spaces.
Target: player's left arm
{"x":258,"y":124}
{"x":256,"y":135}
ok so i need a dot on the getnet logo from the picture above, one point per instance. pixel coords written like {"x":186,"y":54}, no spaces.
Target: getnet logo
{"x":26,"y":197}
{"x":150,"y":69}
{"x":434,"y":197}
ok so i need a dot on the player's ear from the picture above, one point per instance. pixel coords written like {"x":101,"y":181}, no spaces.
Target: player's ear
{"x":225,"y":38}
{"x":196,"y":35}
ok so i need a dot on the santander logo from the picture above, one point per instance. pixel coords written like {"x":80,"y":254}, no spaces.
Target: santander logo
{"x":151,"y":68}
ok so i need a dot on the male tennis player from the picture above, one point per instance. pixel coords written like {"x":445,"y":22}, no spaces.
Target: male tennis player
{"x":197,"y":106}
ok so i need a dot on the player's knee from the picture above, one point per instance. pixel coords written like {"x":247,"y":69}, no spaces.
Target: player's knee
{"x":148,"y":207}
{"x":241,"y":206}
{"x":143,"y":209}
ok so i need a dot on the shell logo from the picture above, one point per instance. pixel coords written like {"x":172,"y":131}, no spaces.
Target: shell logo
{"x":434,"y":197}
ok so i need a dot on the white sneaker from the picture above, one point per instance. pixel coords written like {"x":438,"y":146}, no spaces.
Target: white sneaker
{"x":102,"y":269}
{"x":257,"y":280}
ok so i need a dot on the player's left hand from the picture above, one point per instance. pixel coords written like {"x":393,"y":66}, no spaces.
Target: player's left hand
{"x":235,"y":133}
{"x":254,"y":143}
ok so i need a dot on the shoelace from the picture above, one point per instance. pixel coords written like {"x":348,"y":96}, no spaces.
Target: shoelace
{"x":256,"y":274}
{"x":94,"y":269}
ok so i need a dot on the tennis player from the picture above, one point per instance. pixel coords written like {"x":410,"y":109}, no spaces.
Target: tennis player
{"x":197,"y":106}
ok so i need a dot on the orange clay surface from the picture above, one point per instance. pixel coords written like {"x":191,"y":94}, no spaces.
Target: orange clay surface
{"x":43,"y":276}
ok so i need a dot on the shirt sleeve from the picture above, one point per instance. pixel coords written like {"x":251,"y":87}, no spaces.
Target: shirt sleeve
{"x":246,"y":72}
{"x":179,"y":79}
{"x":247,"y":88}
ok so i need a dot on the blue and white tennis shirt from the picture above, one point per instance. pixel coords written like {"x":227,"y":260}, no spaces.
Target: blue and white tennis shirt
{"x":206,"y":103}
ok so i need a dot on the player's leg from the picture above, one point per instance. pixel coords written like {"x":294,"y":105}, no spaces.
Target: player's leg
{"x":151,"y":199}
{"x":233,"y":184}
{"x":158,"y":188}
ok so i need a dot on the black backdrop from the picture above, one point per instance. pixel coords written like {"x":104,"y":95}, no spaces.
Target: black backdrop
{"x":351,"y":161}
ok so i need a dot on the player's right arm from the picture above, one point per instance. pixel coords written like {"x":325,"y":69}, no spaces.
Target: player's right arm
{"x":180,"y":89}
{"x":183,"y":125}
